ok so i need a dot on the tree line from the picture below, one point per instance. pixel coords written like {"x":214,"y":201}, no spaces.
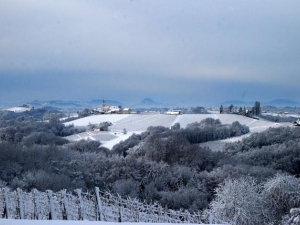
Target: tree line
{"x":253,"y":111}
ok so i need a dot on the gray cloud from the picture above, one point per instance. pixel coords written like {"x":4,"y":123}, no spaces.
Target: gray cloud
{"x":166,"y":49}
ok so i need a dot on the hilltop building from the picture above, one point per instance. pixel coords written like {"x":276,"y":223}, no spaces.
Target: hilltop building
{"x":126,"y":111}
{"x":107,"y":109}
{"x":173,"y":112}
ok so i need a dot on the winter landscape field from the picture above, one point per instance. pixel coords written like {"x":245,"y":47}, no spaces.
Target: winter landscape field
{"x":191,"y":164}
{"x":149,"y":112}
{"x":138,"y":123}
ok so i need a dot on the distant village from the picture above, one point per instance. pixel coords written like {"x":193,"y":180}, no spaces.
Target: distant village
{"x":255,"y":111}
{"x":108,"y":109}
{"x":249,"y":111}
{"x":75,"y":109}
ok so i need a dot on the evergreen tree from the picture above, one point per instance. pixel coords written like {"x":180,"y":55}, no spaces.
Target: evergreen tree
{"x":230,"y":108}
{"x":240,"y":110}
{"x":256,"y":108}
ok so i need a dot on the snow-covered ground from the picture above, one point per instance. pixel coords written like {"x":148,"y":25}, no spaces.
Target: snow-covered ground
{"x":107,"y":138}
{"x":132,"y":123}
{"x":93,"y":135}
{"x":18,"y":109}
{"x":141,"y":122}
{"x":186,"y":119}
{"x":68,"y":222}
{"x":120,"y":137}
{"x":283,"y":114}
{"x":137,"y":123}
{"x":97,"y":119}
{"x":254,"y":126}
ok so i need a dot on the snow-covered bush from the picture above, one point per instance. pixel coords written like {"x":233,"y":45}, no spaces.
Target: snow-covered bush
{"x":281,"y":193}
{"x":294,"y":218}
{"x":239,"y":202}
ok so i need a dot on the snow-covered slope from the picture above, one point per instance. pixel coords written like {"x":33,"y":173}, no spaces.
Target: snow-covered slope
{"x":142,"y":122}
{"x":96,"y":119}
{"x":18,"y":109}
{"x":137,"y":123}
{"x":186,"y":119}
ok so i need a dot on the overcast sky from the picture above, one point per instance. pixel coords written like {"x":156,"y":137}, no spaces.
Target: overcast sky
{"x":189,"y":51}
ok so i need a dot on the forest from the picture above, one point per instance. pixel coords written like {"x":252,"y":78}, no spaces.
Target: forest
{"x":253,"y":180}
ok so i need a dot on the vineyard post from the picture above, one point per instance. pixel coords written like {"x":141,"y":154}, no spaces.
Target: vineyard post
{"x":120,"y":209}
{"x":210,"y":218}
{"x":81,"y":207}
{"x":2,"y":213}
{"x":36,"y":204}
{"x":99,"y":203}
{"x":65,"y":203}
{"x":21,"y":209}
{"x":51,"y":204}
{"x":8,"y":216}
{"x":121,"y":214}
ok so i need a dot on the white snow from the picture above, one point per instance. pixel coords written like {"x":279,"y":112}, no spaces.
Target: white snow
{"x":282,"y":114}
{"x":141,"y":122}
{"x":18,"y":109}
{"x":96,"y":119}
{"x":138,"y":123}
{"x":93,"y":135}
{"x":133,"y":123}
{"x":119,"y":137}
{"x":69,"y":222}
{"x":255,"y":126}
{"x":186,"y":119}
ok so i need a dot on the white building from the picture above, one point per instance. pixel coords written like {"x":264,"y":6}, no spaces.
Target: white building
{"x":173,"y":112}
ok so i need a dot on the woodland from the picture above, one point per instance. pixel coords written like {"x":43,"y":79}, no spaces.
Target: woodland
{"x":250,"y":181}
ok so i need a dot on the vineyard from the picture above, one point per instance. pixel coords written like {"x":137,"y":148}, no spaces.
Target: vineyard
{"x":97,"y":206}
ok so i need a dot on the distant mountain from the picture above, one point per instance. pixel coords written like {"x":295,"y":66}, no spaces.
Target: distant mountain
{"x":56,"y":103}
{"x":282,"y":102}
{"x":72,"y":104}
{"x":149,"y":103}
{"x":237,"y":103}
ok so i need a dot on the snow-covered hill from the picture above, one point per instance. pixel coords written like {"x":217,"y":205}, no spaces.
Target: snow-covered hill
{"x":137,"y":123}
{"x":96,"y":119}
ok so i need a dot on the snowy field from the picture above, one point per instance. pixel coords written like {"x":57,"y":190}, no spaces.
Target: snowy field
{"x":93,"y":135}
{"x":141,"y":122}
{"x":282,"y":114}
{"x":18,"y":109}
{"x":97,"y":119}
{"x":70,"y":222}
{"x":137,"y":123}
{"x":255,"y":126}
